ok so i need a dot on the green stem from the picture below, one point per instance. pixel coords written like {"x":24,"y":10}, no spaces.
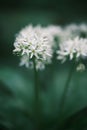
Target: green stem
{"x":36,"y":85}
{"x":36,"y":93}
{"x":65,"y":91}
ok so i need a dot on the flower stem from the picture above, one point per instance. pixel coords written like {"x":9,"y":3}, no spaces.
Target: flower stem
{"x":36,"y":94}
{"x":65,"y":91}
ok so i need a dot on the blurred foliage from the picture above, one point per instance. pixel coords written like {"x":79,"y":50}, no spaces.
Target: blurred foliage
{"x":16,"y":98}
{"x":17,"y":84}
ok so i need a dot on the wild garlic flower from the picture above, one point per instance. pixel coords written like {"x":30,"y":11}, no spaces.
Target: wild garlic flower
{"x":57,"y":33}
{"x":54,"y":30}
{"x":33,"y":42}
{"x":77,"y":30}
{"x":81,"y":67}
{"x":71,"y":31}
{"x":73,"y":49}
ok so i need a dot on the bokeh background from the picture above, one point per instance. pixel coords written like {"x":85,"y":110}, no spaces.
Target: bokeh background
{"x":16,"y":83}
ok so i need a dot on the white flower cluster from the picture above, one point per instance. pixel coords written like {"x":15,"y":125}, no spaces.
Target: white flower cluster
{"x":39,"y":43}
{"x":34,"y":42}
{"x":73,"y":49}
{"x":77,"y":30}
{"x":72,"y":31}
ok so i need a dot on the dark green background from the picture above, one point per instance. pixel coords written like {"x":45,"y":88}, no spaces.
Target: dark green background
{"x":16,"y":83}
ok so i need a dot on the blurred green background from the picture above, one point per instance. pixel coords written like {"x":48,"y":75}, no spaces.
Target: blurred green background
{"x":16,"y":83}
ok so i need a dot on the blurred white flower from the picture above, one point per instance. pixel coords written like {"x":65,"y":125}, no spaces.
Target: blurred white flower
{"x":81,"y":67}
{"x":40,"y":65}
{"x":77,"y":30}
{"x":54,"y":30}
{"x":24,"y":61}
{"x":34,"y":42}
{"x":74,"y":49}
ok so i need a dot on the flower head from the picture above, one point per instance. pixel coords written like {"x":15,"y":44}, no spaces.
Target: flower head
{"x":33,"y":42}
{"x":81,"y":67}
{"x":76,"y":48}
{"x":77,"y":30}
{"x":73,"y":49}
